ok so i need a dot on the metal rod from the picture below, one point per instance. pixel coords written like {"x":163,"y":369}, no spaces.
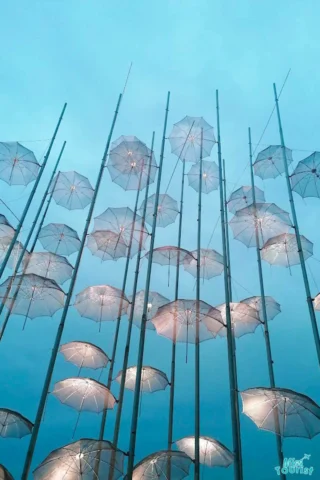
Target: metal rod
{"x":56,"y":345}
{"x":135,"y":412}
{"x":226,"y":226}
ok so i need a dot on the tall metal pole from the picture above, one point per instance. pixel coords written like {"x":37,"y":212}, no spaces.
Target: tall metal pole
{"x":56,"y":345}
{"x":226,"y":226}
{"x":264,"y":312}
{"x":313,"y":319}
{"x":135,"y":412}
{"x":33,"y":191}
{"x":232,"y":371}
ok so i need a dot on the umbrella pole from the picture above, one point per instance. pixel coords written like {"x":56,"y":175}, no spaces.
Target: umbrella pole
{"x":134,"y":421}
{"x":226,"y":226}
{"x":33,"y":191}
{"x":230,"y":340}
{"x":56,"y":345}
{"x":312,"y":314}
{"x":264,"y":314}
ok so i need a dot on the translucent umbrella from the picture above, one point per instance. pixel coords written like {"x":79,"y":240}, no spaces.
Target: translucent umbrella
{"x":243,"y":197}
{"x":269,"y":162}
{"x":155,"y":301}
{"x":170,"y":256}
{"x":305,"y":179}
{"x":185,"y":139}
{"x":272,"y":307}
{"x":210,"y":176}
{"x":128,"y":160}
{"x":59,"y":238}
{"x":5,"y":243}
{"x":211,"y":263}
{"x":167,"y":210}
{"x":212,"y":452}
{"x":152,"y":379}
{"x":299,"y":415}
{"x":155,"y":466}
{"x":13,"y":424}
{"x":79,"y":460}
{"x":282,"y":250}
{"x":106,"y":245}
{"x":316,"y":302}
{"x":84,"y":355}
{"x":244,"y":319}
{"x":49,"y":265}
{"x":4,"y":474}
{"x":265,"y":218}
{"x":72,"y":190}
{"x":6,"y":229}
{"x":18,"y":165}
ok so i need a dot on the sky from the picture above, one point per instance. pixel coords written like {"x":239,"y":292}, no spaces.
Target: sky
{"x":79,"y":52}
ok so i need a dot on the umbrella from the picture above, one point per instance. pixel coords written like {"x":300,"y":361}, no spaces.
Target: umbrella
{"x":299,"y":415}
{"x":18,"y":165}
{"x":59,"y":238}
{"x":282,"y":250}
{"x":155,"y":300}
{"x":155,"y":466}
{"x":129,"y":163}
{"x":84,"y":354}
{"x":212,"y":452}
{"x":6,"y":230}
{"x":49,"y":265}
{"x":316,"y":302}
{"x":106,"y":245}
{"x":266,"y":219}
{"x":72,"y":190}
{"x":210,"y":176}
{"x":5,"y":243}
{"x":4,"y":474}
{"x":152,"y":379}
{"x":305,"y":179}
{"x":78,"y":461}
{"x":169,"y":256}
{"x":13,"y":424}
{"x":167,"y":210}
{"x":272,"y":307}
{"x":244,"y":319}
{"x":211,"y":263}
{"x":269,"y":162}
{"x":185,"y":139}
{"x":243,"y":197}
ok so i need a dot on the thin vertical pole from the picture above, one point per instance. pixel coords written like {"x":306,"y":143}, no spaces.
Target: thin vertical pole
{"x":33,"y":191}
{"x":313,"y":319}
{"x":264,"y":312}
{"x":135,"y":412}
{"x":226,"y":227}
{"x":56,"y":345}
{"x":230,"y":340}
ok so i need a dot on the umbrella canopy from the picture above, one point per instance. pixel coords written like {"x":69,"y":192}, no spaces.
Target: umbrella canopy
{"x":266,"y":219}
{"x":6,"y":229}
{"x":167,"y":210}
{"x":78,"y":461}
{"x":155,"y":466}
{"x":72,"y":190}
{"x":316,"y":302}
{"x":84,"y":354}
{"x":5,"y":243}
{"x":18,"y":164}
{"x":101,"y":303}
{"x":155,"y":301}
{"x":152,"y":379}
{"x":59,"y":238}
{"x":305,"y":179}
{"x":243,"y":197}
{"x":211,"y":263}
{"x":299,"y":415}
{"x":84,"y":394}
{"x":212,"y":452}
{"x":49,"y":265}
{"x":272,"y":307}
{"x":282,"y":250}
{"x":35,"y":296}
{"x":177,"y":321}
{"x":169,"y":255}
{"x":106,"y":245}
{"x":269,"y":162}
{"x":210,"y":176}
{"x":129,"y":164}
{"x":244,"y":319}
{"x":13,"y":424}
{"x":185,"y":139}
{"x":4,"y":474}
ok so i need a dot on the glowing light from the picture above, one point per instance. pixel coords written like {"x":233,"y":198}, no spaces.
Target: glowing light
{"x":79,"y":456}
{"x":133,"y":164}
{"x":129,"y":153}
{"x":204,"y":175}
{"x":72,"y":188}
{"x":149,"y":307}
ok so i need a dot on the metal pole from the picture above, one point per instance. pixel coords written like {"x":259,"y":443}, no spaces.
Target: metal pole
{"x":230,"y":340}
{"x":313,"y":319}
{"x":56,"y":345}
{"x":33,"y":191}
{"x":226,"y":226}
{"x":264,"y":312}
{"x":135,"y":412}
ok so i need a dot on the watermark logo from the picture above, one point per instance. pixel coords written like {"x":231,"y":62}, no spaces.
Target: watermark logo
{"x":293,"y":466}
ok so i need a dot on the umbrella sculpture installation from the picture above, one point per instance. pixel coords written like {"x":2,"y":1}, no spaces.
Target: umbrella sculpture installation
{"x":169,"y":256}
{"x":60,"y":239}
{"x":5,"y":243}
{"x":305,"y":179}
{"x":212,"y":452}
{"x":283,"y":250}
{"x":49,"y":265}
{"x":84,"y":355}
{"x":18,"y":164}
{"x":210,"y":176}
{"x":211,"y":263}
{"x":13,"y":424}
{"x":244,"y":197}
{"x":155,"y":301}
{"x":152,"y":379}
{"x":72,"y":190}
{"x":272,"y":307}
{"x":244,"y":318}
{"x":269,"y":162}
{"x":155,"y":466}
{"x":4,"y":474}
{"x":167,"y":210}
{"x":106,"y":245}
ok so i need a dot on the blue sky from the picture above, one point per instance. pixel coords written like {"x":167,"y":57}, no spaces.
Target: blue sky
{"x":55,"y":51}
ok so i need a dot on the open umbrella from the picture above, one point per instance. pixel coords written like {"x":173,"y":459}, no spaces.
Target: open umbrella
{"x":13,"y":424}
{"x":106,"y":245}
{"x":72,"y":190}
{"x":155,"y":466}
{"x":59,"y":238}
{"x":84,"y":355}
{"x":167,"y":210}
{"x":49,"y":265}
{"x":5,"y":243}
{"x":210,"y":176}
{"x":170,"y":256}
{"x":282,"y":250}
{"x":269,"y":162}
{"x":152,"y":379}
{"x":211,"y":263}
{"x":18,"y":165}
{"x":212,"y":452}
{"x":272,"y":307}
{"x":6,"y":229}
{"x":243,"y":197}
{"x":305,"y":179}
{"x":244,"y":319}
{"x":155,"y":301}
